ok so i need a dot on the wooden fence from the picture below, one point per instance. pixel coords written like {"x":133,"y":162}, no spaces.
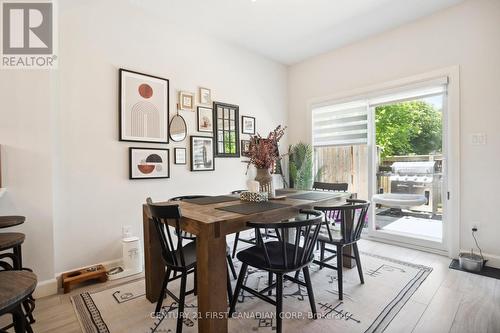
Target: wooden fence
{"x":346,"y":164}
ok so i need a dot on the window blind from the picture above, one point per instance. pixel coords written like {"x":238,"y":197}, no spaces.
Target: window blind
{"x":347,"y":123}
{"x":340,"y":124}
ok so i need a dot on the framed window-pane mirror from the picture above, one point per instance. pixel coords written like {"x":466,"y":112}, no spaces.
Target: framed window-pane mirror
{"x":226,"y":132}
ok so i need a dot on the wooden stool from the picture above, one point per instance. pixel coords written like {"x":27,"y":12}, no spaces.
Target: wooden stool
{"x":10,"y":221}
{"x":8,"y":241}
{"x":16,"y":288}
{"x":97,"y":272}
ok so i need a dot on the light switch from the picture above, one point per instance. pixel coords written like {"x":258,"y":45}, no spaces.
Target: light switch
{"x":478,"y":139}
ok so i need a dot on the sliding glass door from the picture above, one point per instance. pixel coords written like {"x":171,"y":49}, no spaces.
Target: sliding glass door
{"x":391,"y":149}
{"x":408,"y":167}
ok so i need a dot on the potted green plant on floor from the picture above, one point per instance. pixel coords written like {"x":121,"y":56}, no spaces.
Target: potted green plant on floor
{"x":301,"y":166}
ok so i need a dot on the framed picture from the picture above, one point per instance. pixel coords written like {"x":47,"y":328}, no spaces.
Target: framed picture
{"x":205,"y":96}
{"x":149,"y":163}
{"x":245,"y":147}
{"x":247,"y":125}
{"x":226,"y":130}
{"x":205,"y":119}
{"x":144,"y":107}
{"x":186,"y":101}
{"x":202,"y":153}
{"x":179,"y":155}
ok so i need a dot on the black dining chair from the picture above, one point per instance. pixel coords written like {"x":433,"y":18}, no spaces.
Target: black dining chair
{"x":334,"y":187}
{"x":331,"y":187}
{"x":190,"y":236}
{"x":352,"y":219}
{"x":251,"y":240}
{"x":280,"y":257}
{"x":178,"y":258}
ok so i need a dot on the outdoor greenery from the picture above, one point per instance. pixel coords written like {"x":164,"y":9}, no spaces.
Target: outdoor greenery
{"x":301,"y":166}
{"x":408,"y":128}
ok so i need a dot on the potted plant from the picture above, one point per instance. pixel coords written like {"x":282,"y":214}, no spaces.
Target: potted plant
{"x":301,"y":166}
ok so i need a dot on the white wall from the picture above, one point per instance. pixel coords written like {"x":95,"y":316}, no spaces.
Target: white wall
{"x":467,"y":35}
{"x":94,"y":197}
{"x":64,"y":166}
{"x":25,"y":127}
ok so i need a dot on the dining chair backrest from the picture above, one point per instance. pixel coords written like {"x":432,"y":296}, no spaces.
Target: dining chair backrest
{"x":297,"y":253}
{"x":335,"y":187}
{"x":352,"y":218}
{"x":184,"y":234}
{"x":172,"y":251}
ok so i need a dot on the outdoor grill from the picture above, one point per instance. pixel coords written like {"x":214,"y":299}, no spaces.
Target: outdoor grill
{"x":417,"y":178}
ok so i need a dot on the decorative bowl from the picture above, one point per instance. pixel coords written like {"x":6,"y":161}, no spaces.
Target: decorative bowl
{"x":254,"y":196}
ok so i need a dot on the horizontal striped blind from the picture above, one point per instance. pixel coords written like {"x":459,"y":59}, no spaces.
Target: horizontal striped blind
{"x":340,"y":124}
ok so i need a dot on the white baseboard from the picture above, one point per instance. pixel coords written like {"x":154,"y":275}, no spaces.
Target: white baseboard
{"x":493,"y":260}
{"x":46,"y":288}
{"x":52,"y":286}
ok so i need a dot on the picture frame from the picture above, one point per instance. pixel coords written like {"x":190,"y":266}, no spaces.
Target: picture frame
{"x":205,"y":119}
{"x":226,"y":130}
{"x":248,"y":125}
{"x":180,"y":157}
{"x":245,"y":147}
{"x":149,"y":163}
{"x":143,"y":97}
{"x":186,"y":101}
{"x":205,"y":96}
{"x":202,"y":153}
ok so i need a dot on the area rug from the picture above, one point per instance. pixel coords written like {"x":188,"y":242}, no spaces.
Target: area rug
{"x":368,"y":307}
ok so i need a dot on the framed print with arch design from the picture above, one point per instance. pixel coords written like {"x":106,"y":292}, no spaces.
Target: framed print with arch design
{"x":144,"y":107}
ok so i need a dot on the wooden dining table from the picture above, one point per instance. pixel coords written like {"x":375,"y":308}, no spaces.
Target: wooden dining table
{"x":211,"y":226}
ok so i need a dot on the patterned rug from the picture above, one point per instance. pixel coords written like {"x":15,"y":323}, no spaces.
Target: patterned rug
{"x":366,"y":308}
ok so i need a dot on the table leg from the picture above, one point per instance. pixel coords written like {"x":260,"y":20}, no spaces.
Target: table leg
{"x":212,"y":279}
{"x":154,"y":265}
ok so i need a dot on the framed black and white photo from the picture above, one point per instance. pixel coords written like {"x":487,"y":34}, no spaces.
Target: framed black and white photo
{"x":247,"y":125}
{"x":149,"y":163}
{"x":205,"y":96}
{"x":226,"y":130}
{"x":144,"y":107}
{"x":245,"y":147}
{"x":179,"y":155}
{"x":202,"y":153}
{"x":186,"y":101}
{"x":205,"y":119}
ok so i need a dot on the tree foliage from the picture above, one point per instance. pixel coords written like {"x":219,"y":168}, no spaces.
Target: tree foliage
{"x":408,"y":128}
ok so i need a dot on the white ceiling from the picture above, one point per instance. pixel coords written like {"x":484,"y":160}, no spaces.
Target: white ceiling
{"x":289,"y":31}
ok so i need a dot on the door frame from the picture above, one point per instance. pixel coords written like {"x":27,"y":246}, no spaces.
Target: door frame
{"x":451,"y":149}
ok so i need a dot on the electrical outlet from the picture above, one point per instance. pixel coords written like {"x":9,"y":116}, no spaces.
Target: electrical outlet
{"x":475,"y":225}
{"x":126,"y":231}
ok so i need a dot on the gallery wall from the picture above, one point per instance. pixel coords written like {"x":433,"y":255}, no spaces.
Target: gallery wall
{"x":64,"y":165}
{"x":94,"y":197}
{"x":467,"y":35}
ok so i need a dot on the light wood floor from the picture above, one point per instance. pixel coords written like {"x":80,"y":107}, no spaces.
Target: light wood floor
{"x":448,"y":301}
